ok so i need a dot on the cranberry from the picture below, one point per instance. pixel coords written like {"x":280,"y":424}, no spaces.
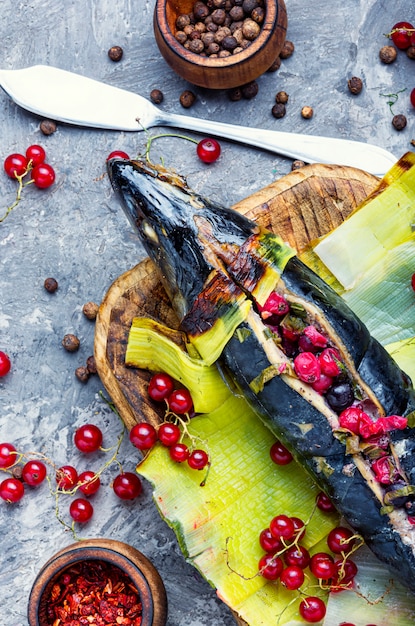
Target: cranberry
{"x":275,"y":304}
{"x":323,"y":384}
{"x":307,"y":367}
{"x":316,"y":338}
{"x":329,"y":360}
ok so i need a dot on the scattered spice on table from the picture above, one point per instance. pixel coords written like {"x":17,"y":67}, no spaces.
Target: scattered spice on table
{"x":94,"y":592}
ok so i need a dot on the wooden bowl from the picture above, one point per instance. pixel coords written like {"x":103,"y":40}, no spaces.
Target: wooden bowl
{"x":219,"y":73}
{"x":130,"y":561}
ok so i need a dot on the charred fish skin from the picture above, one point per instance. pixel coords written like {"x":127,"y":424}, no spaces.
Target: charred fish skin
{"x":220,"y":240}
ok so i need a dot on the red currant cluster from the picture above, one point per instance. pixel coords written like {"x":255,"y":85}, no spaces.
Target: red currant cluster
{"x":18,"y":166}
{"x":179,"y":402}
{"x":286,"y":560}
{"x":403,"y":36}
{"x":87,"y":439}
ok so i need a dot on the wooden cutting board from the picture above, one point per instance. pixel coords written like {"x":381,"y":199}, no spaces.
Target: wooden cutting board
{"x":300,"y":207}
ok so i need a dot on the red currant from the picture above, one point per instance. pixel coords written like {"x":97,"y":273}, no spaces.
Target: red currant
{"x":7,"y":455}
{"x":11,"y":490}
{"x":88,"y":482}
{"x":143,"y":436}
{"x":299,"y":527}
{"x":269,"y":543}
{"x":297,"y":555}
{"x":292,"y":577}
{"x":340,"y":540}
{"x":160,"y":387}
{"x":35,"y":154}
{"x":117,"y":154}
{"x":43,"y":175}
{"x":5,"y":364}
{"x":400,"y":35}
{"x":346,"y":570}
{"x":168,"y":434}
{"x":127,"y":486}
{"x":312,"y":609}
{"x":180,"y":401}
{"x":179,"y":452}
{"x":81,"y":510}
{"x":324,"y":503}
{"x":270,"y":566}
{"x":413,"y":275}
{"x":282,"y":527}
{"x":88,"y":438}
{"x":198,"y":459}
{"x":322,"y":566}
{"x":15,"y":165}
{"x":279,"y":454}
{"x":34,"y":472}
{"x":208,"y":150}
{"x":66,"y":477}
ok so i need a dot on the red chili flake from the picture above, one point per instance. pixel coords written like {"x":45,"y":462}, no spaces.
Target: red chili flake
{"x":94,"y":592}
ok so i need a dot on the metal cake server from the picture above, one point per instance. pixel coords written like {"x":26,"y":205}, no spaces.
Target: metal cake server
{"x":74,"y":99}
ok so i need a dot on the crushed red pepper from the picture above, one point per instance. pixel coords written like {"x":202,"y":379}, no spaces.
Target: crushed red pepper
{"x":94,"y":593}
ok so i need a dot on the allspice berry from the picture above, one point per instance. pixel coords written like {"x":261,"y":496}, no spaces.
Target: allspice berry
{"x":115,"y":53}
{"x":71,"y":343}
{"x":399,"y":122}
{"x":47,"y":127}
{"x":51,"y":285}
{"x":278,"y":110}
{"x":187,"y":99}
{"x":287,"y":50}
{"x":388,"y":54}
{"x":156,"y":96}
{"x":355,"y":85}
{"x":410,"y":52}
{"x":275,"y":65}
{"x":282,"y":97}
{"x":307,"y":112}
{"x":91,"y":365}
{"x":297,"y":164}
{"x":249,"y":90}
{"x":82,"y":374}
{"x":90,"y":310}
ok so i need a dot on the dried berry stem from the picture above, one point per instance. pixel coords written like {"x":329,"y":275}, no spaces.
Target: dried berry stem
{"x":19,"y":191}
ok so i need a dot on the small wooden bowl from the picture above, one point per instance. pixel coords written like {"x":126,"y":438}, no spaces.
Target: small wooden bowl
{"x":135,"y":565}
{"x":220,"y":73}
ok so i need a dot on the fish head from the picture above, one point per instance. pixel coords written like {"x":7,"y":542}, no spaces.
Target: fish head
{"x":183,"y":233}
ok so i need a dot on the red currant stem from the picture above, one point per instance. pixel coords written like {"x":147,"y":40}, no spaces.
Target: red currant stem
{"x":394,"y":98}
{"x":19,"y":191}
{"x":154,"y":137}
{"x":396,"y":30}
{"x":203,"y":483}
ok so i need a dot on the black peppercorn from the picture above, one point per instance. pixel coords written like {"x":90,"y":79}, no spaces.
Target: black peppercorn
{"x":47,"y":127}
{"x":388,"y":54}
{"x":187,"y":99}
{"x":115,"y":53}
{"x":249,"y":90}
{"x":399,"y":122}
{"x":156,"y":96}
{"x":51,"y":285}
{"x":71,"y":343}
{"x":82,"y":374}
{"x":90,"y":310}
{"x":355,"y":85}
{"x":278,"y":110}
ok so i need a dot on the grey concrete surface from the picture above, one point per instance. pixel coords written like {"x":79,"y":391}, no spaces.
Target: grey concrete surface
{"x":77,"y":233}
